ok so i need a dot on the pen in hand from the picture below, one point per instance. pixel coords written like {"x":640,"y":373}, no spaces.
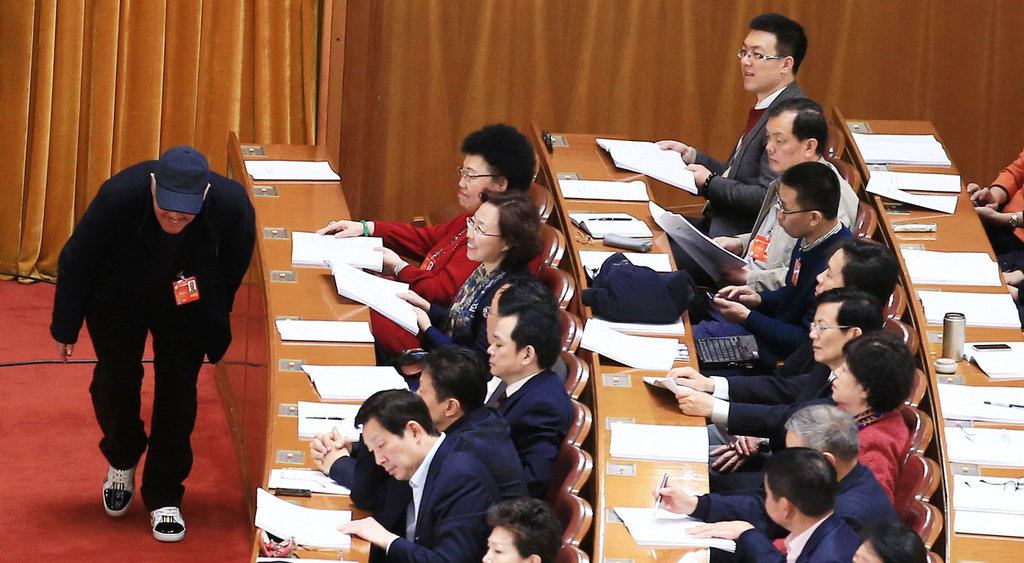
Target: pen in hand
{"x":664,"y":481}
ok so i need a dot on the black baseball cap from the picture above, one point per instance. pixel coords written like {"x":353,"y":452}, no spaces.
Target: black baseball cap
{"x":182,"y":175}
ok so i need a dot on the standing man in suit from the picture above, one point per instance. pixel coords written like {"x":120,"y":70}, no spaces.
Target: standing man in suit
{"x":524,"y":343}
{"x":161,"y":250}
{"x":769,"y":60}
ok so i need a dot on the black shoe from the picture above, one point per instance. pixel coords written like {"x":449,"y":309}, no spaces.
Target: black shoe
{"x":168,"y":525}
{"x":118,"y":490}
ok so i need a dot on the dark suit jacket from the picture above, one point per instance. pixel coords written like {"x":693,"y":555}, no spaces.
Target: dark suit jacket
{"x":538,"y":416}
{"x":489,"y":437}
{"x":733,"y":202}
{"x":761,"y":405}
{"x":832,"y":542}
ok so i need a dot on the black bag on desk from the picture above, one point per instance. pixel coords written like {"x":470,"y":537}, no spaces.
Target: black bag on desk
{"x":624,"y":292}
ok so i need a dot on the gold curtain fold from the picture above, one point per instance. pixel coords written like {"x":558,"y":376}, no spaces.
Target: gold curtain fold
{"x":89,"y":88}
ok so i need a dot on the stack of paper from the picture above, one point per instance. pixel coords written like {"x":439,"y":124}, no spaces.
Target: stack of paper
{"x":290,"y":170}
{"x":308,"y":479}
{"x":320,"y":418}
{"x":981,"y":309}
{"x":309,"y":526}
{"x":377,"y":293}
{"x":943,"y":203}
{"x":593,"y":259}
{"x":598,"y":225}
{"x":324,"y":331}
{"x":988,"y":523}
{"x":998,"y":364}
{"x":599,"y":189}
{"x":707,"y":253}
{"x":647,"y":158}
{"x":659,"y":442}
{"x":987,"y":494}
{"x":311,"y":249}
{"x":987,"y":404}
{"x":677,"y":328}
{"x":666,"y":529}
{"x":952,"y":268}
{"x":642,"y":352}
{"x":663,"y":382}
{"x":918,"y":181}
{"x":916,"y":150}
{"x":353,"y":383}
{"x":986,"y":446}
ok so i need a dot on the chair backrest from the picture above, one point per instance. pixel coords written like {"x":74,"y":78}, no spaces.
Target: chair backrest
{"x":934,"y":557}
{"x":920,"y":426}
{"x":552,"y":245}
{"x":867,"y":221}
{"x":919,"y":477}
{"x":917,"y":389}
{"x":848,"y":172}
{"x":925,"y":519}
{"x":571,"y":554}
{"x":582,"y":420}
{"x":572,"y":330}
{"x":904,"y":332}
{"x":836,"y":142}
{"x":576,"y":515}
{"x":571,"y":470}
{"x":897,"y":304}
{"x":541,"y":197}
{"x":561,"y":284}
{"x":577,"y":374}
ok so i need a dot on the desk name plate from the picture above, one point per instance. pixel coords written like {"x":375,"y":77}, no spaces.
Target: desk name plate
{"x":616,"y":380}
{"x":264,"y":191}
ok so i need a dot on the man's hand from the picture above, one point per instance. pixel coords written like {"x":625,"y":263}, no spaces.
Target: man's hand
{"x":700,"y":174}
{"x":741,"y":293}
{"x":732,"y":311}
{"x":64,"y":351}
{"x":694,"y":403}
{"x":370,"y":530}
{"x":345,"y":229}
{"x":729,"y":530}
{"x":732,"y":244}
{"x":675,"y":499}
{"x":693,"y":379}
{"x":326,"y":448}
{"x":688,"y":153}
{"x":986,"y":197}
{"x":732,"y":456}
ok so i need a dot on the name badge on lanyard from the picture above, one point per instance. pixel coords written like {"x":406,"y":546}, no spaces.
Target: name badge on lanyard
{"x":186,"y":290}
{"x":759,"y":248}
{"x":796,"y":272}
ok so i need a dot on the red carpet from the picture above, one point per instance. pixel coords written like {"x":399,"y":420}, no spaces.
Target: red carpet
{"x":53,"y":470}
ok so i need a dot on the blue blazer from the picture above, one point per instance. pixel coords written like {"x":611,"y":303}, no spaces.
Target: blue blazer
{"x":760,"y":406}
{"x":538,"y":416}
{"x":488,"y":436}
{"x":832,"y":542}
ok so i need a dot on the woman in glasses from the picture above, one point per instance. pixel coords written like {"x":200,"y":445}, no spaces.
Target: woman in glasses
{"x":498,"y":158}
{"x":503,"y":236}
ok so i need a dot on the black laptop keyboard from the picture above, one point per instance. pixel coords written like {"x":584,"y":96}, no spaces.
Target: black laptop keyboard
{"x":721,"y":349}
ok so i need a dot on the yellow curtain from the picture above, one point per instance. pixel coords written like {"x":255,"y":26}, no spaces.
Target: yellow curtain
{"x":88,"y":88}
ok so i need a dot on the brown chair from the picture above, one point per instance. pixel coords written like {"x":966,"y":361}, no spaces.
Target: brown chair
{"x":904,"y":332}
{"x":836,"y":142}
{"x":921,"y":430}
{"x":866,"y":223}
{"x":541,"y":197}
{"x":848,"y":172}
{"x":925,"y":519}
{"x":572,"y":331}
{"x":897,"y":304}
{"x":582,"y":420}
{"x":576,"y":515}
{"x":919,"y":477}
{"x":561,"y":284}
{"x":917,"y":389}
{"x":570,"y":554}
{"x":577,"y":374}
{"x":934,"y":557}
{"x":552,"y":245}
{"x":571,"y":470}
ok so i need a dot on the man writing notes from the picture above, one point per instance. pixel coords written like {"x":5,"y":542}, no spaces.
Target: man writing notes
{"x":161,"y":249}
{"x":769,"y":60}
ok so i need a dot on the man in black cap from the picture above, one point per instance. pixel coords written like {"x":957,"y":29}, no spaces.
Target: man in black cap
{"x":161,"y":249}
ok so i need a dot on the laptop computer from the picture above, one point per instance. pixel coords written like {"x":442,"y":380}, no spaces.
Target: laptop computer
{"x":727,"y":352}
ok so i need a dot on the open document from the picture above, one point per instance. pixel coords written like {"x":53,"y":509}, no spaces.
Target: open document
{"x":646,"y":158}
{"x":943,"y":203}
{"x":677,"y":328}
{"x":291,"y":170}
{"x":918,"y":181}
{"x":985,"y":446}
{"x":659,"y":442}
{"x":981,"y":309}
{"x":309,"y":526}
{"x":598,"y":225}
{"x":668,"y":383}
{"x":324,"y":331}
{"x":320,"y":418}
{"x":662,"y":528}
{"x":915,"y":150}
{"x":986,"y":404}
{"x":301,"y":478}
{"x":311,"y":249}
{"x":353,"y":383}
{"x":999,"y":360}
{"x":705,"y":252}
{"x":377,"y":293}
{"x":593,"y":259}
{"x":641,"y":352}
{"x":929,"y":267}
{"x":602,"y":189}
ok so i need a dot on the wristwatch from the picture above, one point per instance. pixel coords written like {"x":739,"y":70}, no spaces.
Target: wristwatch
{"x":1014,"y":220}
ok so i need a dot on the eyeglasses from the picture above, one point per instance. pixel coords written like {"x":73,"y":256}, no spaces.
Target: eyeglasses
{"x":757,"y":56}
{"x":782,"y":210}
{"x":467,"y":175}
{"x":1008,"y":485}
{"x":471,"y":224}
{"x":819,"y":328}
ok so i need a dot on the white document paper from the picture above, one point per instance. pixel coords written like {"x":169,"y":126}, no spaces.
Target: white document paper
{"x":980,"y":309}
{"x":707,"y":253}
{"x":987,"y":494}
{"x":646,"y":158}
{"x":593,"y":259}
{"x":986,"y":446}
{"x":988,"y":524}
{"x":943,"y":203}
{"x":320,"y":418}
{"x":604,"y":190}
{"x":918,"y":181}
{"x":290,"y":170}
{"x":311,"y":249}
{"x":598,"y":225}
{"x":663,"y":382}
{"x":309,"y":479}
{"x":928,"y":267}
{"x":659,"y":442}
{"x":919,"y":150}
{"x":963,"y":402}
{"x":353,"y":383}
{"x":309,"y":526}
{"x":324,"y":331}
{"x":677,"y":328}
{"x":641,"y":352}
{"x":666,"y":529}
{"x":377,"y":293}
{"x":998,"y":364}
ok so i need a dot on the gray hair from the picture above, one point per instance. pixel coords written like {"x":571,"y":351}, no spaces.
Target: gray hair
{"x":826,"y":428}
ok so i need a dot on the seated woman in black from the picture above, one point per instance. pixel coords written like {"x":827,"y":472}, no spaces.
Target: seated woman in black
{"x":504,"y":236}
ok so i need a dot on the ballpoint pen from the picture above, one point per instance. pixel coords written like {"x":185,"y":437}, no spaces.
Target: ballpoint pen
{"x":664,"y":481}
{"x":324,"y":417}
{"x":1007,"y":405}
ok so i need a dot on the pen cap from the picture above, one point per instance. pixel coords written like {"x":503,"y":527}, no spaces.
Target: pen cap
{"x":953,"y":327}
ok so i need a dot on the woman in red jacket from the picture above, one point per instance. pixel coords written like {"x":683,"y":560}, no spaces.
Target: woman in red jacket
{"x":498,"y":158}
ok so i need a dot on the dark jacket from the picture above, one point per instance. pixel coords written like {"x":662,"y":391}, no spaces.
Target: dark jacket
{"x":832,"y":542}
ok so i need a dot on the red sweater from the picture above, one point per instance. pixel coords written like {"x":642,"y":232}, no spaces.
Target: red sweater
{"x":882,"y":445}
{"x":1011,"y":179}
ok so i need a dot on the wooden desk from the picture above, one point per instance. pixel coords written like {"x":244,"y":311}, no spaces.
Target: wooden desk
{"x":961,"y":231}
{"x":260,"y":379}
{"x":617,"y":393}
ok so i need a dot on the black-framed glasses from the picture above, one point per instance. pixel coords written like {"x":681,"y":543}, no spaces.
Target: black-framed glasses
{"x":757,"y":56}
{"x":467,"y":175}
{"x":819,"y":327}
{"x":1011,"y":485}
{"x":471,"y":224}
{"x":782,"y":210}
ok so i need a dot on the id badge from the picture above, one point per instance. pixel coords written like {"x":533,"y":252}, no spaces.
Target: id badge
{"x":759,"y":248}
{"x":186,"y":290}
{"x":796,"y":272}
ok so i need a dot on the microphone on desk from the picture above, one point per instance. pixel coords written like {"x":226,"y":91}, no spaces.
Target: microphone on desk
{"x":627,"y":243}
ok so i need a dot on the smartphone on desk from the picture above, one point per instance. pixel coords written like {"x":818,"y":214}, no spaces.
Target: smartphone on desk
{"x":998,"y":347}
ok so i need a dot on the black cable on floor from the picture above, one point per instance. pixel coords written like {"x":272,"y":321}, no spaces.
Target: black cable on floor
{"x":28,"y":277}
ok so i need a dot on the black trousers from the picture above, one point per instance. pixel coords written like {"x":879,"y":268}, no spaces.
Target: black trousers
{"x":119,"y":338}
